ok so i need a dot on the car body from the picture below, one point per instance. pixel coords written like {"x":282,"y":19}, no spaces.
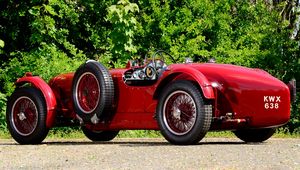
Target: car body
{"x":183,"y":101}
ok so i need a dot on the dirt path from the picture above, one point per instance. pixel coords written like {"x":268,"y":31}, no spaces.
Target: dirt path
{"x":211,"y":153}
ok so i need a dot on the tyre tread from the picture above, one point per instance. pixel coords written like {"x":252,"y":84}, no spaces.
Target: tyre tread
{"x":203,"y":119}
{"x":41,"y":131}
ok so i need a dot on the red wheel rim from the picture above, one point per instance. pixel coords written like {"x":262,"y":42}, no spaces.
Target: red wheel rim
{"x":179,"y":113}
{"x":87,"y":92}
{"x":24,"y":116}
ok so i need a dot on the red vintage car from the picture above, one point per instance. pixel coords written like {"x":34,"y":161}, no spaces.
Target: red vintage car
{"x":184,"y":101}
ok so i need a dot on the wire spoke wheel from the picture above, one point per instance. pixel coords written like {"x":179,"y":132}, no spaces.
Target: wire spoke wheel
{"x":179,"y":112}
{"x":24,"y":116}
{"x":181,"y":115}
{"x":88,"y":92}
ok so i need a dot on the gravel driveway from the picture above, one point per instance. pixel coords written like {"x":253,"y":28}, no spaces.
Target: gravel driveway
{"x":211,"y":153}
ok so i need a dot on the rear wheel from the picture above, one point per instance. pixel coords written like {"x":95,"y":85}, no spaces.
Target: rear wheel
{"x":26,"y":116}
{"x":254,"y":135}
{"x":99,"y":135}
{"x":181,"y":115}
{"x":92,"y":92}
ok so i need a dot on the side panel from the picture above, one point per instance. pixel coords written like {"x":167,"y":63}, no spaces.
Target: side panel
{"x":47,"y":93}
{"x":135,"y":105}
{"x":131,"y":99}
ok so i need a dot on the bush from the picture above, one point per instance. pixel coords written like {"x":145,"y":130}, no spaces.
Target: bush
{"x":46,"y":61}
{"x":2,"y":112}
{"x":294,"y":124}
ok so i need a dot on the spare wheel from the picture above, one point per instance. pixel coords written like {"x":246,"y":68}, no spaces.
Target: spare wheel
{"x":92,"y":92}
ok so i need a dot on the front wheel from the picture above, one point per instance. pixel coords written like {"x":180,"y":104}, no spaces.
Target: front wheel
{"x":99,"y":135}
{"x":254,"y":135}
{"x":181,"y":115}
{"x":26,"y":116}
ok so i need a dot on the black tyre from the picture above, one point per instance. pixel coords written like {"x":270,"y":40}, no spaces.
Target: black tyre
{"x":99,"y":135}
{"x":181,"y":115}
{"x":26,"y":116}
{"x":92,"y":92}
{"x":254,"y":135}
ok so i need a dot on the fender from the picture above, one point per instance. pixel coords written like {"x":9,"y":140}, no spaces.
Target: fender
{"x":204,"y":84}
{"x":47,"y":93}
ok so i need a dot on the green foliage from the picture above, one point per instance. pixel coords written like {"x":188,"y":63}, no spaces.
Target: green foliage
{"x":237,"y":32}
{"x":1,"y":43}
{"x":2,"y":112}
{"x":285,"y":132}
{"x":1,"y":46}
{"x":178,"y":27}
{"x":46,"y":61}
{"x":294,"y":124}
{"x":123,"y":23}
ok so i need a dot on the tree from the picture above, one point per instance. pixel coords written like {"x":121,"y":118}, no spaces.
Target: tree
{"x":121,"y":36}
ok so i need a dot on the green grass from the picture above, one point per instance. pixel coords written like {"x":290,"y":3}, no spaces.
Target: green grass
{"x":4,"y":134}
{"x":139,"y":134}
{"x":65,"y":133}
{"x":286,"y":135}
{"x":76,"y":133}
{"x":220,"y":134}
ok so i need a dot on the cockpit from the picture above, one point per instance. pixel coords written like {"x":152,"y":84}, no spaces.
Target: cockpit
{"x":148,"y":71}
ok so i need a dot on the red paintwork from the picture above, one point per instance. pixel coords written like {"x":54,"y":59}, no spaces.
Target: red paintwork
{"x":243,"y":90}
{"x":47,"y":93}
{"x":232,"y":90}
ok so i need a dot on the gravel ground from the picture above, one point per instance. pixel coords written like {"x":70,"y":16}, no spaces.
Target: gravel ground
{"x":211,"y":153}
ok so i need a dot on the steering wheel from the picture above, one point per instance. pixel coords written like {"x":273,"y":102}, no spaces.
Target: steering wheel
{"x":157,"y":64}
